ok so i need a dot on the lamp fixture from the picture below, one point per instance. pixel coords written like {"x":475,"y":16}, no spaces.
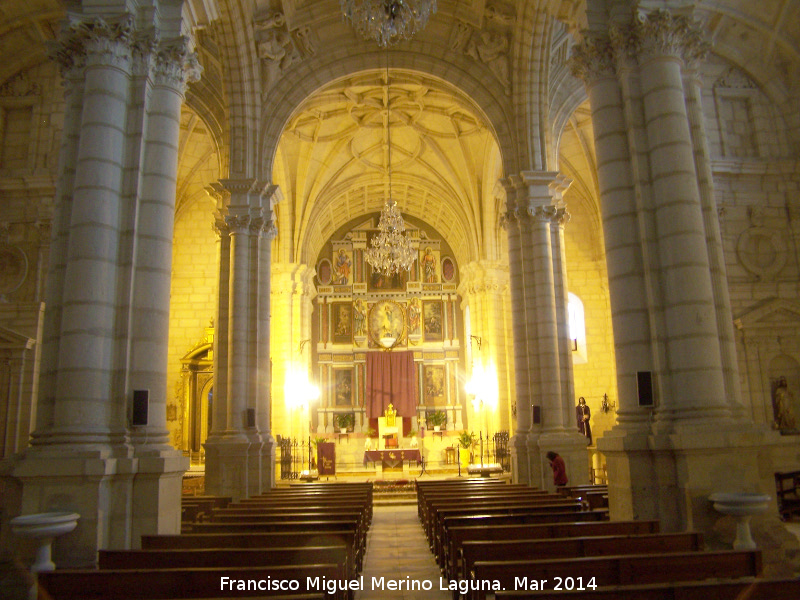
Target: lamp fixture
{"x":388,"y":21}
{"x":391,"y":250}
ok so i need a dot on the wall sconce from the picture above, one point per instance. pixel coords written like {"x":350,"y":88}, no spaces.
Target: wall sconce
{"x":605,"y":405}
{"x":477,"y":341}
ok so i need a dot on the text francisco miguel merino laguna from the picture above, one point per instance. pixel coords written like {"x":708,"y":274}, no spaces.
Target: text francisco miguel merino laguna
{"x":330,"y":586}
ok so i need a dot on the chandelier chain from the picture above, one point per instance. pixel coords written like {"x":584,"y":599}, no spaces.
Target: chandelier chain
{"x":391,"y":250}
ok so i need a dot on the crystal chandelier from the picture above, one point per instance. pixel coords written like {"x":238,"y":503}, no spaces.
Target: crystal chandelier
{"x":391,"y":250}
{"x":388,"y":21}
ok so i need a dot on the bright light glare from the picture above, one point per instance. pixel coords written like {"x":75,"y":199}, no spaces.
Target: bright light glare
{"x":483,"y":386}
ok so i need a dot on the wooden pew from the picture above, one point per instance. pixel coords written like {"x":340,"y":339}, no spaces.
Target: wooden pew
{"x":160,"y":584}
{"x":575,"y":547}
{"x":534,"y":511}
{"x":195,"y":508}
{"x":749,"y":589}
{"x":431,"y":500}
{"x":196,"y":558}
{"x":436,"y":512}
{"x":260,"y":540}
{"x":250,"y":510}
{"x":631,"y":569}
{"x":517,"y":519}
{"x":787,"y":486}
{"x":457,"y":535}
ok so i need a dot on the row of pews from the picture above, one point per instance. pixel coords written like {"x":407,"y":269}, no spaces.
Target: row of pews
{"x":303,"y":542}
{"x":513,"y":542}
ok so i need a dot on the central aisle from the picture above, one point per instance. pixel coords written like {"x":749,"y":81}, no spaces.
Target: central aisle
{"x":396,"y":550}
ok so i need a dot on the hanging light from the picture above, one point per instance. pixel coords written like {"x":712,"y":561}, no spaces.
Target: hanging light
{"x":388,"y":21}
{"x":391,"y":250}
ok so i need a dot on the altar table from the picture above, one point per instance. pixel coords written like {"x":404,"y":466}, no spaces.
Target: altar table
{"x":392,"y":458}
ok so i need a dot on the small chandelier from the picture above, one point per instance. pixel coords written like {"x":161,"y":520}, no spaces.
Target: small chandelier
{"x":391,"y":250}
{"x":388,"y":21}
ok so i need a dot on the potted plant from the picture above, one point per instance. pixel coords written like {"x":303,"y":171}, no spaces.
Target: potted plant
{"x":436,"y":419}
{"x":346,"y":422}
{"x":466,"y":439}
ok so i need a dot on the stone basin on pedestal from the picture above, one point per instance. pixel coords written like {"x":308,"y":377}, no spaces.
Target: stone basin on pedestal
{"x":44,"y":528}
{"x":741,"y":506}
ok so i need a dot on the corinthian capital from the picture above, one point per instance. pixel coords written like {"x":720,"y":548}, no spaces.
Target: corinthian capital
{"x":238,"y":223}
{"x":592,"y":59}
{"x":176,"y":64}
{"x":94,"y":41}
{"x":660,"y":33}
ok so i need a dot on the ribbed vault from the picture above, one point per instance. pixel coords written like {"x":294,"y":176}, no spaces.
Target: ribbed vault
{"x":333,"y":159}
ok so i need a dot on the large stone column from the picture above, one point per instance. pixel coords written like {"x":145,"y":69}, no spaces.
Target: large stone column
{"x":665,"y":313}
{"x":626,"y":243}
{"x":539,"y":215}
{"x":518,"y":445}
{"x":695,"y":390}
{"x":158,"y":480}
{"x":108,"y":289}
{"x":240,"y":449}
{"x":263,"y":404}
{"x":233,"y":447}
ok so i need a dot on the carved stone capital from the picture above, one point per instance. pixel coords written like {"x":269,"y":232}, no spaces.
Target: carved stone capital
{"x":220,"y":227}
{"x":660,"y":34}
{"x":238,"y":223}
{"x":269,"y":229}
{"x":95,"y":41}
{"x":543,"y":214}
{"x":561,"y":217}
{"x":591,"y":60}
{"x":256,"y":223}
{"x":176,"y":64}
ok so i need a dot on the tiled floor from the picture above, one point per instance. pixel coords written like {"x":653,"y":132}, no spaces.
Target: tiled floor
{"x":397,"y":550}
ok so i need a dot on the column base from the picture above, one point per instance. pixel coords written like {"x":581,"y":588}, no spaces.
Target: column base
{"x":229,"y":467}
{"x":670,"y":476}
{"x":268,"y":445}
{"x":573,"y":448}
{"x":520,"y":463}
{"x":118,"y":499}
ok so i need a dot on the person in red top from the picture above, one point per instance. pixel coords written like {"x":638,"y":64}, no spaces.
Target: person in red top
{"x":559,"y":469}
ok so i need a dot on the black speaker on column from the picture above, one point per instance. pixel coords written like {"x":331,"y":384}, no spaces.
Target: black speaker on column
{"x":644,"y":387}
{"x":141,"y":400}
{"x":251,"y":417}
{"x":537,"y":414}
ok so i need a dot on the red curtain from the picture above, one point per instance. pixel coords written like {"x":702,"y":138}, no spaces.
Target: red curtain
{"x":391,"y":377}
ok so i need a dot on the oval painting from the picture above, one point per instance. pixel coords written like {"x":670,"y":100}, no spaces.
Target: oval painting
{"x":324,"y":272}
{"x":448,"y":269}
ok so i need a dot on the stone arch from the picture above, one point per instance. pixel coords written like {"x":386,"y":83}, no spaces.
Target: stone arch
{"x":314,"y":74}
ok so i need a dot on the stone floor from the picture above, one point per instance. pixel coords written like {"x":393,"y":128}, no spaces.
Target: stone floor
{"x":397,"y":550}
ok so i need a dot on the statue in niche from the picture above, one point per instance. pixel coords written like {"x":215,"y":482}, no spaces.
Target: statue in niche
{"x":783,"y":401}
{"x":582,"y":415}
{"x":360,"y":316}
